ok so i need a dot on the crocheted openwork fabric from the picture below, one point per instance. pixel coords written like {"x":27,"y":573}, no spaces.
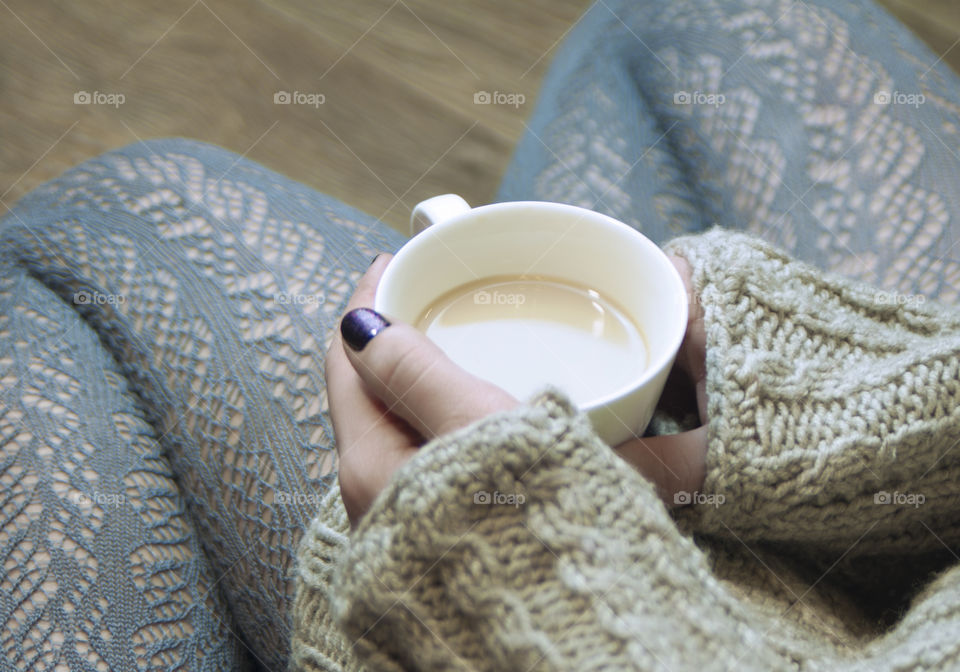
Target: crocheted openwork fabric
{"x":165,"y":308}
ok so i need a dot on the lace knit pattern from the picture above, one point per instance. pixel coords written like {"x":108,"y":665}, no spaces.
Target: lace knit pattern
{"x":765,"y":116}
{"x":165,"y":428}
{"x":164,"y":437}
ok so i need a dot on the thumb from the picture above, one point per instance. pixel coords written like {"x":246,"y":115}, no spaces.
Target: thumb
{"x":675,"y":463}
{"x":414,"y":378}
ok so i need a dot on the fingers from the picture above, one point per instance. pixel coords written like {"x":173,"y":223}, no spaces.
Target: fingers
{"x":363,"y":295}
{"x":674,"y":463}
{"x":366,"y":289}
{"x":691,"y":358}
{"x":677,"y":463}
{"x":414,"y":378}
{"x":389,"y":388}
{"x":388,"y":381}
{"x":695,"y":312}
{"x":371,"y":443}
{"x":351,"y":408}
{"x":368,"y":465}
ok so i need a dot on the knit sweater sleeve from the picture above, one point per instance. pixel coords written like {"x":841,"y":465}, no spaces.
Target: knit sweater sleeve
{"x":522,"y":542}
{"x":833,"y":406}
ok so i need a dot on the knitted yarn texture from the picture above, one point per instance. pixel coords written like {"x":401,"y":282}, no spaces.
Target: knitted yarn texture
{"x":824,"y":402}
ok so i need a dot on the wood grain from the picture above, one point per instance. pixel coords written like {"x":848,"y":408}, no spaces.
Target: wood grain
{"x":398,"y":122}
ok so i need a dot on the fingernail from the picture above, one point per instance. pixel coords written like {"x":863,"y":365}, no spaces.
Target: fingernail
{"x":374,"y":260}
{"x":360,"y":325}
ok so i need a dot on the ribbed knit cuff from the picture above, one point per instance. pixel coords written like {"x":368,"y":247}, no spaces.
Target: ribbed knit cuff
{"x":316,"y":642}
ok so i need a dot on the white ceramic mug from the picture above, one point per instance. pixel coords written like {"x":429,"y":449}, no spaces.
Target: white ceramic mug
{"x":457,"y":244}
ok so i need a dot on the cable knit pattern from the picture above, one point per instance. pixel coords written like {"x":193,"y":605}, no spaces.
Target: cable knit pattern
{"x":834,"y":411}
{"x":583,"y":569}
{"x":561,"y":577}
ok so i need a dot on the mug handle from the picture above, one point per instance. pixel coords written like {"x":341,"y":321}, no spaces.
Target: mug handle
{"x":435,"y":210}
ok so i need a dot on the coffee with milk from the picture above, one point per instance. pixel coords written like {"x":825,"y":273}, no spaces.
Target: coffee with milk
{"x":521,"y":332}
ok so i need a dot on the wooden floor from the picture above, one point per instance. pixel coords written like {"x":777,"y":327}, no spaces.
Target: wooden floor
{"x":398,"y":121}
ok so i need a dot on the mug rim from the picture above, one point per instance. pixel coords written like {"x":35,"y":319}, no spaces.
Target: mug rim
{"x":677,"y":330}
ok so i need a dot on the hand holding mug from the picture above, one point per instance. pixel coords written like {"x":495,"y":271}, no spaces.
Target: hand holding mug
{"x":544,"y":293}
{"x":391,"y":389}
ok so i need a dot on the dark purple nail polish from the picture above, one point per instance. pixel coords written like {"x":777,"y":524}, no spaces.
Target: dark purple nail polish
{"x":360,"y":325}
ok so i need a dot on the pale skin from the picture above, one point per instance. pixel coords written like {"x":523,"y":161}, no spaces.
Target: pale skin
{"x":401,"y":390}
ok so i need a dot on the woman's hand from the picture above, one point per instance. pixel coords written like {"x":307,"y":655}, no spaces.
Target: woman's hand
{"x":676,"y":463}
{"x":390,"y":394}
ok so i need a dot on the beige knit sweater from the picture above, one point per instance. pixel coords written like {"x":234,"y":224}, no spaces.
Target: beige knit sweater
{"x":523,"y":542}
